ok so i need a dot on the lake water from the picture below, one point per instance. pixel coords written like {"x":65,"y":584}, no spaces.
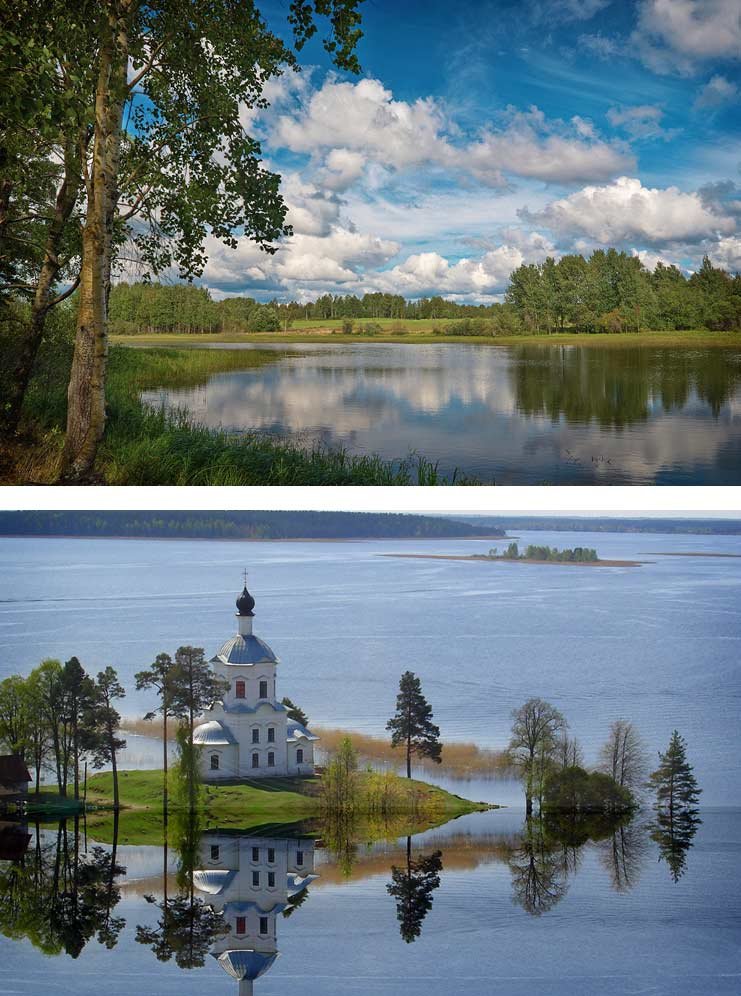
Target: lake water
{"x":518,"y":415}
{"x":499,"y":908}
{"x":659,"y":644}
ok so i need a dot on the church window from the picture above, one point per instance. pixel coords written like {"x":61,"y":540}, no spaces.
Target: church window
{"x":263,"y":925}
{"x":240,"y":689}
{"x":214,"y":762}
{"x":271,"y":855}
{"x":255,"y":760}
{"x":241,"y":925}
{"x":256,"y":879}
{"x":271,"y":759}
{"x":255,"y":735}
{"x":255,"y":853}
{"x":299,"y":858}
{"x":300,"y":756}
{"x":271,"y":880}
{"x":214,"y":852}
{"x":271,"y":734}
{"x":263,"y":689}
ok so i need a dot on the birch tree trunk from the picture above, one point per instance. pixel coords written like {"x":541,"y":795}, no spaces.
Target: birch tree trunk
{"x":86,"y":392}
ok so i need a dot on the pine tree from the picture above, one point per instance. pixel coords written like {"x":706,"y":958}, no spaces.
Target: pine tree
{"x":675,"y":785}
{"x":295,"y":712}
{"x":162,"y":676}
{"x":412,"y":725}
{"x":197,"y":687}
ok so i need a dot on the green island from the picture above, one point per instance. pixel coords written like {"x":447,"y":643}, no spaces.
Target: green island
{"x":582,"y":556}
{"x":246,"y":804}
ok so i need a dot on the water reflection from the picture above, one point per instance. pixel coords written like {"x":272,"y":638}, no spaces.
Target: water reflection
{"x":526,"y":414}
{"x":412,"y":885}
{"x":674,"y":833}
{"x":222,"y":896}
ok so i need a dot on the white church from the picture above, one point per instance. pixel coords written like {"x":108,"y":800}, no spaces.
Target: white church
{"x":248,"y":733}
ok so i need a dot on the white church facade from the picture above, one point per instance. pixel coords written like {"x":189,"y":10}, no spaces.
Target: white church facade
{"x":248,"y":733}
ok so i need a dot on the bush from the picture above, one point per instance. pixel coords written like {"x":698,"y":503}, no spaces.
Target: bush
{"x":264,"y":319}
{"x":574,"y":790}
{"x":348,"y":325}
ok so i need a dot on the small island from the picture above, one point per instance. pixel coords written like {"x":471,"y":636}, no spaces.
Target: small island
{"x":585,"y":556}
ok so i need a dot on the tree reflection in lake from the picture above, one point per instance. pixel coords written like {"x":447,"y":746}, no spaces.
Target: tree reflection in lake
{"x":60,"y":894}
{"x":674,"y":833}
{"x":412,"y":886}
{"x":231,"y":890}
{"x":619,"y":386}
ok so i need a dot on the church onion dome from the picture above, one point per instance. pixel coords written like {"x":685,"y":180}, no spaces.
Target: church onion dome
{"x":247,"y":649}
{"x":245,"y":603}
{"x":212,"y":880}
{"x":213,"y":734}
{"x":295,"y":732}
{"x":245,"y":964}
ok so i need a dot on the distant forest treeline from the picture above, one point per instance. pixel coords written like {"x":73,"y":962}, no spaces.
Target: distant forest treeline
{"x":238,"y":525}
{"x":718,"y":527}
{"x":609,"y":292}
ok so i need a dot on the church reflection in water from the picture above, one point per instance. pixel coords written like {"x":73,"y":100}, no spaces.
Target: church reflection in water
{"x":250,"y":881}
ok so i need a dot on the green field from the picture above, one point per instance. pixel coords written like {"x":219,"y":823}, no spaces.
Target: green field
{"x":421,"y":332}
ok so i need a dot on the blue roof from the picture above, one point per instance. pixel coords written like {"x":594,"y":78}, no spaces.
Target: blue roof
{"x":213,"y":734}
{"x":246,"y":650}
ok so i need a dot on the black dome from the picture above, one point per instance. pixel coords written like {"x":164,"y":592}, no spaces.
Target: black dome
{"x":245,"y":603}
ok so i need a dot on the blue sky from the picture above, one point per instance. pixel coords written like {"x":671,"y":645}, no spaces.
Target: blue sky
{"x":482,"y":135}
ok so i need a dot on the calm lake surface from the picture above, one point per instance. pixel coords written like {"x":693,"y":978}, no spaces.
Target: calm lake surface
{"x":518,"y":415}
{"x":506,"y":909}
{"x":515,"y":909}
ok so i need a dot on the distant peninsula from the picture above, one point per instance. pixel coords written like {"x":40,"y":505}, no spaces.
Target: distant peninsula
{"x":582,"y":556}
{"x":241,"y":525}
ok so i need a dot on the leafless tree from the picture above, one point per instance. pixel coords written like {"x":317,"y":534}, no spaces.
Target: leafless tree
{"x":623,"y":756}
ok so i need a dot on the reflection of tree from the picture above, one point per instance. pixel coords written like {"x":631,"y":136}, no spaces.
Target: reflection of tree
{"x":412,"y":886}
{"x":674,"y":832}
{"x":616,"y":386}
{"x":187,"y":926}
{"x":339,"y":832}
{"x":622,"y":855}
{"x":537,"y":868}
{"x":60,"y":898}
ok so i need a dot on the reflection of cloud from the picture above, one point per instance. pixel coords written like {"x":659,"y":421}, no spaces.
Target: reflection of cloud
{"x":463,"y":405}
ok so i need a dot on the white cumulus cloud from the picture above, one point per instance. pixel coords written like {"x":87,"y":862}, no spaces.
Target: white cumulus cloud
{"x":626,"y":210}
{"x":718,"y":90}
{"x":678,"y":35}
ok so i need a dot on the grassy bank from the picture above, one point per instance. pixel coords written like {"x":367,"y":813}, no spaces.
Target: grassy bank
{"x":253,"y":803}
{"x":144,"y":446}
{"x":422,"y":333}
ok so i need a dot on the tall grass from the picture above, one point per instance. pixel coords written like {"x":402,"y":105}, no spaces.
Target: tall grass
{"x":148,"y":446}
{"x":459,"y":760}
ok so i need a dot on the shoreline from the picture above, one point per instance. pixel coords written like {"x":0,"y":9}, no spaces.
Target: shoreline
{"x":692,"y":553}
{"x":259,"y":539}
{"x":520,"y":560}
{"x":679,"y":339}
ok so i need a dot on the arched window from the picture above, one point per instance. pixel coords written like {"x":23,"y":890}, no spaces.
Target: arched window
{"x":271,"y":734}
{"x":271,"y":759}
{"x":241,"y":925}
{"x":263,"y":925}
{"x":214,"y":762}
{"x":255,"y":760}
{"x":263,"y":689}
{"x":239,"y":690}
{"x":300,"y":756}
{"x":255,"y":734}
